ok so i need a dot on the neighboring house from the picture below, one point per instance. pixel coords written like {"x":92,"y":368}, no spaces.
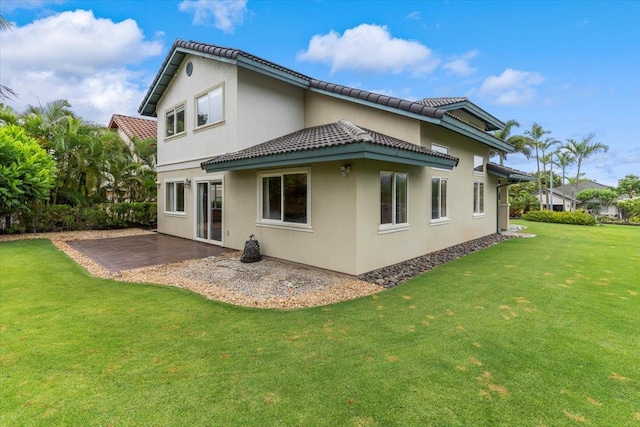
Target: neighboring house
{"x":130,"y":128}
{"x":321,"y":174}
{"x":565,"y":192}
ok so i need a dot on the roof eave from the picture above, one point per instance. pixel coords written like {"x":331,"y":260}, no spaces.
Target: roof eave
{"x":254,"y":65}
{"x":511,"y":175}
{"x":471,"y":108}
{"x":394,"y":110}
{"x":474,"y":133}
{"x":361,"y":150}
{"x":171,"y":65}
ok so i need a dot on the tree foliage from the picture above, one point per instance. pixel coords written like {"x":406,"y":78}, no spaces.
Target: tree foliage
{"x":630,"y":209}
{"x":92,"y":163}
{"x":629,"y":185}
{"x":518,"y":142}
{"x":596,"y":199}
{"x":581,"y":150}
{"x":27,"y":172}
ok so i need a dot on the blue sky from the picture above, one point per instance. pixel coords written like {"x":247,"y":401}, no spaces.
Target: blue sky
{"x":573,"y":67}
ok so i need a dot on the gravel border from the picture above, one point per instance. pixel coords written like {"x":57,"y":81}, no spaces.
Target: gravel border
{"x":269,"y":283}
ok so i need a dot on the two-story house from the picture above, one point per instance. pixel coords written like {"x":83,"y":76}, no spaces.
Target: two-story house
{"x":321,"y":174}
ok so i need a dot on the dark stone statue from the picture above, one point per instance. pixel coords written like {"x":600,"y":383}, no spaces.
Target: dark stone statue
{"x":251,"y":251}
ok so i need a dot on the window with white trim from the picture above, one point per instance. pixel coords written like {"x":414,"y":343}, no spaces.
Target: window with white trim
{"x":174,"y":121}
{"x":210,"y":107}
{"x":285,"y":198}
{"x":393,"y":198}
{"x":478,"y":164}
{"x":478,"y":198}
{"x":439,"y":198}
{"x":174,"y":197}
{"x":439,"y":149}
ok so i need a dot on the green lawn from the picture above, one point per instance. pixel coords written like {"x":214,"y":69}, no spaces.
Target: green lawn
{"x":532,"y":332}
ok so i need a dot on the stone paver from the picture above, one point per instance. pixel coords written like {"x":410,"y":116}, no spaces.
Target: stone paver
{"x":131,"y":252}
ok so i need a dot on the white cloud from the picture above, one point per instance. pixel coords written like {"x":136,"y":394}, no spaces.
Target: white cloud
{"x":369,"y":48}
{"x":78,"y":57}
{"x":413,"y":15}
{"x":11,"y":5}
{"x":512,"y":87}
{"x":459,"y":66}
{"x":226,"y":14}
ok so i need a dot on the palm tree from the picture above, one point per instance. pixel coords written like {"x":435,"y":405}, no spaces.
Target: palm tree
{"x":6,"y":92}
{"x":518,"y":141}
{"x":534,"y":136}
{"x":546,"y":159}
{"x":563,"y":160}
{"x":42,"y":122}
{"x":581,"y":150}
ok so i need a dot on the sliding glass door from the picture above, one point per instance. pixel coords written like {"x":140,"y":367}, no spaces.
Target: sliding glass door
{"x":209,"y":211}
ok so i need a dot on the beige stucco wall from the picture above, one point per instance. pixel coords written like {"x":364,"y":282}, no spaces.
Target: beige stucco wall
{"x":267,"y":108}
{"x":331,"y":242}
{"x":197,"y":145}
{"x":322,"y":109}
{"x":181,"y":225}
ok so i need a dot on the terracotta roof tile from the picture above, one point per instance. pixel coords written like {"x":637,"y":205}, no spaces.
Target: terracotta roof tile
{"x":341,"y":132}
{"x":134,"y":127}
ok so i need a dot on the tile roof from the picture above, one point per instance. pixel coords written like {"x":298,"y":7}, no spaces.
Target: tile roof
{"x":134,"y":127}
{"x":439,"y":102}
{"x":416,"y":107}
{"x":434,"y":110}
{"x":339,"y":133}
{"x":582,"y":185}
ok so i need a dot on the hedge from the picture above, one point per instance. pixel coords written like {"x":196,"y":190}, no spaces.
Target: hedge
{"x":576,"y":217}
{"x":70,"y":218}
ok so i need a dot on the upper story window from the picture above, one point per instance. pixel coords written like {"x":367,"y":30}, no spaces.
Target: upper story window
{"x":174,"y":121}
{"x":393,"y":198}
{"x":174,"y":197}
{"x":210,"y":107}
{"x":285,"y":198}
{"x":478,"y":164}
{"x":440,"y":149}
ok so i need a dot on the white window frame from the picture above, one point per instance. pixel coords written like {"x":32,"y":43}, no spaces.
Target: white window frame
{"x":274,"y":223}
{"x":479,"y":199}
{"x":172,"y":210}
{"x":175,"y":109}
{"x":441,"y":219}
{"x":442,"y":149}
{"x":394,"y":225}
{"x":479,"y":161}
{"x":207,"y":93}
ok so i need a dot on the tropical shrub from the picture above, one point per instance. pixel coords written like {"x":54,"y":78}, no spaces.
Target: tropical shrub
{"x":70,"y":218}
{"x":630,"y":209}
{"x":27,"y":172}
{"x":575,"y":217}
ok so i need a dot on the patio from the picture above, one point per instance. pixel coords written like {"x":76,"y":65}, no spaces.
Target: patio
{"x":117,"y":254}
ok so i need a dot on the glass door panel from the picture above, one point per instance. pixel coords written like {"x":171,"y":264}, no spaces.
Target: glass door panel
{"x":202,"y":224}
{"x":216,"y":210}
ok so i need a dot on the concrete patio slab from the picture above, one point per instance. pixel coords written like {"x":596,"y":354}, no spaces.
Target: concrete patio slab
{"x":127,"y":253}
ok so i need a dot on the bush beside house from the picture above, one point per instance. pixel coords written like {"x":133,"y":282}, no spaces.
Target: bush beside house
{"x":69,"y":218}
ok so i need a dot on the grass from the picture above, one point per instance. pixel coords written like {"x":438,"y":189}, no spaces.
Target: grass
{"x":531,"y":332}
